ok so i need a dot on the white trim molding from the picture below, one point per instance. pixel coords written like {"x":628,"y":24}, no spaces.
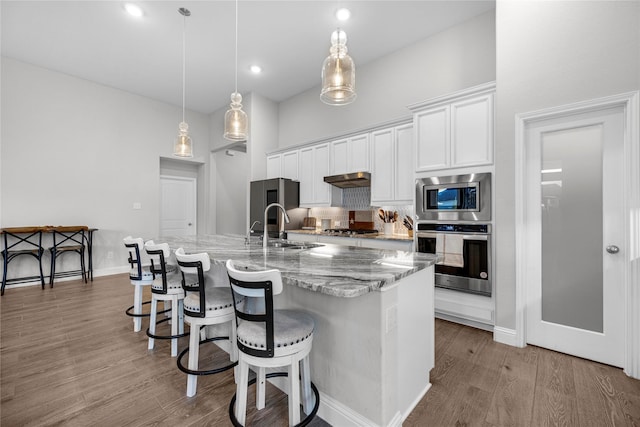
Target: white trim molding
{"x":630,"y":103}
{"x":505,"y":336}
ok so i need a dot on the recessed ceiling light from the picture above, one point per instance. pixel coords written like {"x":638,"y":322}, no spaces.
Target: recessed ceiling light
{"x":343,"y":14}
{"x":256,"y":69}
{"x":133,"y":10}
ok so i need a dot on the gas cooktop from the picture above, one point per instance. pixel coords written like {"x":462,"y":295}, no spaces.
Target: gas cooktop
{"x":348,"y":231}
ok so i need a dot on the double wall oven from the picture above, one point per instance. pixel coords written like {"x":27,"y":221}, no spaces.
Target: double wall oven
{"x":453,"y":215}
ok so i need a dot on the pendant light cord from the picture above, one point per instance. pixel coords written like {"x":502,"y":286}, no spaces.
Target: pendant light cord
{"x":236,"y":46}
{"x":184,"y":60}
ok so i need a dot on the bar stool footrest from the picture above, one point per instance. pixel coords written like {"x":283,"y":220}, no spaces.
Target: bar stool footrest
{"x":302,"y":423}
{"x":204,"y":372}
{"x":165,"y":337}
{"x":129,"y":313}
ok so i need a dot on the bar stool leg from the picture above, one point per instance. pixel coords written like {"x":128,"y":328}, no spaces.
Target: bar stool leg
{"x":241,"y":392}
{"x":194,"y":347}
{"x":152,"y":322}
{"x":294,"y":393}
{"x":137,"y":308}
{"x":260,"y":387}
{"x":307,"y":402}
{"x":175,"y":322}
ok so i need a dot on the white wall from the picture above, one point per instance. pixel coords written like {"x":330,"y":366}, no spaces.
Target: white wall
{"x":550,"y":54}
{"x":457,"y":58}
{"x":76,"y":152}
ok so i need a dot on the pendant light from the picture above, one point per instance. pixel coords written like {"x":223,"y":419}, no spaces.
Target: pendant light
{"x":235,"y":120}
{"x":183,"y":147}
{"x":338,"y":73}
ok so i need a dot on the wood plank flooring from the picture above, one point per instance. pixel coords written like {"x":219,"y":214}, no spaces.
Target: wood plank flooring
{"x":69,"y":356}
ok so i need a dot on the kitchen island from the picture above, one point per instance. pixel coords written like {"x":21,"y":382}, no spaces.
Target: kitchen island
{"x":374,"y":340}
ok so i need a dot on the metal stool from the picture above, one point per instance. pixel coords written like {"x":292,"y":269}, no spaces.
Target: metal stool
{"x":167,"y":286}
{"x":69,"y":239}
{"x":20,"y":241}
{"x":269,"y":338}
{"x":205,"y":304}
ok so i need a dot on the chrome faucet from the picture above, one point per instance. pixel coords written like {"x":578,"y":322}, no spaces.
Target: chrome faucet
{"x":247,"y":240}
{"x":265,"y":238}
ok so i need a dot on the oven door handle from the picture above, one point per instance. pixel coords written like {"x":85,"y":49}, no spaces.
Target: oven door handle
{"x":482,"y":237}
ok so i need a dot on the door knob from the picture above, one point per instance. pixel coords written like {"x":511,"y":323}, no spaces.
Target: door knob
{"x":613,"y":249}
{"x":189,"y":224}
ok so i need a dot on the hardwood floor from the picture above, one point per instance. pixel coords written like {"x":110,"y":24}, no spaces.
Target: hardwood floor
{"x":69,"y":357}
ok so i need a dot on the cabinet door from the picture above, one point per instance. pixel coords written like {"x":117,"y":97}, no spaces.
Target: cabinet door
{"x":339,"y":157}
{"x":305,"y":176}
{"x":322,"y":190}
{"x":432,"y":138}
{"x":274,"y":166}
{"x":382,"y":165}
{"x":290,"y":165}
{"x":404,"y":171}
{"x":472,"y":131}
{"x":358,"y":153}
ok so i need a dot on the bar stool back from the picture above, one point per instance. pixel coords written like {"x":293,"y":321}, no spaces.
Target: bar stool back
{"x":269,"y":338}
{"x":68,"y":239}
{"x":139,"y":278}
{"x":167,"y":286}
{"x":204,"y":305}
{"x":19,"y":241}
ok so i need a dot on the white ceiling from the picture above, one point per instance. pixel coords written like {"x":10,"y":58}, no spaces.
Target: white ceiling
{"x":98,"y":41}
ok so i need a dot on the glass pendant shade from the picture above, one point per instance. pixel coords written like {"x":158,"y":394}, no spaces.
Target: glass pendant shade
{"x":182,"y":147}
{"x":338,"y":73}
{"x":235,"y":120}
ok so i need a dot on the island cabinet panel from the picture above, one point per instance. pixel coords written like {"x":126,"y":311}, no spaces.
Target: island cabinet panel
{"x":350,"y":155}
{"x":313,"y":167}
{"x":392,"y":175}
{"x":455,"y":130}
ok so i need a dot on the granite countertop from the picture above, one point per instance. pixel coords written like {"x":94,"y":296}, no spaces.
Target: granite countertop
{"x":401,"y":237}
{"x":341,"y":271}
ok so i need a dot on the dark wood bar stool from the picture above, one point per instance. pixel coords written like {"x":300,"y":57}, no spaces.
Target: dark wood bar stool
{"x":68,"y":239}
{"x":19,"y":241}
{"x":269,"y":338}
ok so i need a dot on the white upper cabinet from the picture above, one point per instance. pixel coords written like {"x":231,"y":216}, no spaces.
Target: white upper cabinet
{"x":455,"y":130}
{"x":392,"y":177}
{"x":274,"y":166}
{"x":350,"y":155}
{"x":314,"y":166}
{"x":290,"y":165}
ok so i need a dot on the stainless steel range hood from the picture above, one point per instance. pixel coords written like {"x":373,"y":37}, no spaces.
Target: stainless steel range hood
{"x":349,"y":180}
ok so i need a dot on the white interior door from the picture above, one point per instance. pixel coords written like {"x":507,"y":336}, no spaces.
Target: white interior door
{"x":178,"y":206}
{"x":574,"y":216}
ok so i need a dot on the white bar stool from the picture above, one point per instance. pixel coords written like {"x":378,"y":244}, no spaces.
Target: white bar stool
{"x":166,"y":287}
{"x":139,"y":278}
{"x":269,"y":338}
{"x":205,"y":304}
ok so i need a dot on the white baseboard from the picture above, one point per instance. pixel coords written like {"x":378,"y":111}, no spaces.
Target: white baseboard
{"x":337,"y":414}
{"x":505,"y":336}
{"x":413,"y":405}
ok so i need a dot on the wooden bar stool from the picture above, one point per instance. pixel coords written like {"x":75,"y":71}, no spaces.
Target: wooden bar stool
{"x":269,"y":338}
{"x":68,"y":239}
{"x":139,"y":278}
{"x":206,"y":303}
{"x":19,"y":241}
{"x":167,"y":286}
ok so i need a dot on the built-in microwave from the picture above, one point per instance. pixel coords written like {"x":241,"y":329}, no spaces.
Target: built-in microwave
{"x":454,"y":198}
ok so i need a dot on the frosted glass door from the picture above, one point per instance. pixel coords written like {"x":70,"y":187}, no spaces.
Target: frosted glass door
{"x":571,"y":190}
{"x":574,"y":217}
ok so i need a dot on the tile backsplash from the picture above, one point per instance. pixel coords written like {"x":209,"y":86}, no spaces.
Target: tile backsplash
{"x":340,"y":216}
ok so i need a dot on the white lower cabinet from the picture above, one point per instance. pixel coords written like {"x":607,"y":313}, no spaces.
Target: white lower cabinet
{"x":461,"y":307}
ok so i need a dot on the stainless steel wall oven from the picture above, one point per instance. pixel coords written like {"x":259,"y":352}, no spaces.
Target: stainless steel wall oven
{"x":466,"y":252}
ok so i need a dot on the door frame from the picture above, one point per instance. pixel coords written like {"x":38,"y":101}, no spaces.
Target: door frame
{"x":194,"y":181}
{"x":629,"y":102}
